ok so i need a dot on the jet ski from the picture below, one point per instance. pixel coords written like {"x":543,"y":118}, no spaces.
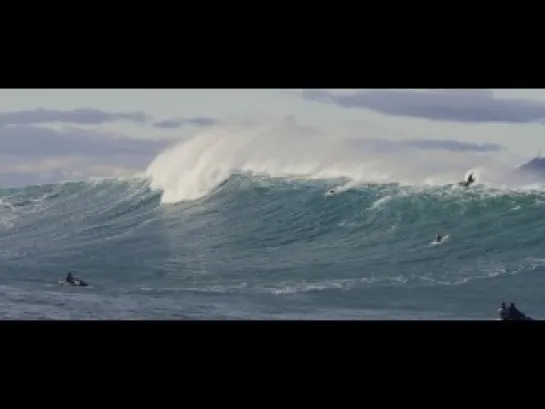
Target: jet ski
{"x":520,"y":319}
{"x":506,"y":314}
{"x":75,"y":283}
{"x":79,"y":283}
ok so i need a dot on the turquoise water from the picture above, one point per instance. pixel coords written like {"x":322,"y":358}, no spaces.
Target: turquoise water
{"x":270,"y":248}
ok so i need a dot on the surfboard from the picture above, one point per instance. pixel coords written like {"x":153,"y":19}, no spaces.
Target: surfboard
{"x":435,"y":242}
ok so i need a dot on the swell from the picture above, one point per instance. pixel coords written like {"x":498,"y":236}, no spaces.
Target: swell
{"x":273,"y":236}
{"x":272,"y":207}
{"x":75,"y":225}
{"x":299,"y":208}
{"x":379,"y":233}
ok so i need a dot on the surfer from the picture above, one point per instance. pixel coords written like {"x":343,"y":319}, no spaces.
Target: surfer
{"x":469,"y":180}
{"x":439,"y":238}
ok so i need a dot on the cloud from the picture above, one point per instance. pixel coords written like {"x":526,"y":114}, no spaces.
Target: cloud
{"x":178,"y":123}
{"x":76,"y":116}
{"x":453,"y":146}
{"x":470,"y":106}
{"x":93,"y":117}
{"x":385,"y":145}
{"x":31,"y":154}
{"x":32,"y":140}
{"x":36,"y":169}
{"x":31,"y":151}
{"x":68,"y":165}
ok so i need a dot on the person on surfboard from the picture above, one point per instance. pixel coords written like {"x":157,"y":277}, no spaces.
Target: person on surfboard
{"x":469,"y":180}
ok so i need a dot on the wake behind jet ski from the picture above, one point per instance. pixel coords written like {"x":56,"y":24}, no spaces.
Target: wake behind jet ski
{"x":470,"y":180}
{"x":75,"y":282}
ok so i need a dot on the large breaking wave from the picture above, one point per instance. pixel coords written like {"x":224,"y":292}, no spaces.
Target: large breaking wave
{"x":243,"y":212}
{"x":193,"y":168}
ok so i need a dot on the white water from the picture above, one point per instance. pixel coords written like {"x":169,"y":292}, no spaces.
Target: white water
{"x":193,"y":168}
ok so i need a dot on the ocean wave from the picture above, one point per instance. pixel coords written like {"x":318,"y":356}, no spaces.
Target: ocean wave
{"x":249,"y":216}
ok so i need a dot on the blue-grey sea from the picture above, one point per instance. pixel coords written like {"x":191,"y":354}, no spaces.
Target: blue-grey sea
{"x":263,"y":247}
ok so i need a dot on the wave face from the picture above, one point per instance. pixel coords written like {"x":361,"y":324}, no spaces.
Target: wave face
{"x":237,"y":223}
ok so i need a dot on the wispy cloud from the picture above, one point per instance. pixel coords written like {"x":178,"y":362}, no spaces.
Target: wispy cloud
{"x":38,"y":169}
{"x":451,"y":105}
{"x":178,"y":123}
{"x":29,"y":148}
{"x":65,"y":165}
{"x":386,"y":145}
{"x":32,"y":140}
{"x":453,"y":146}
{"x":95,"y":117}
{"x":33,"y":154}
{"x":76,"y":116}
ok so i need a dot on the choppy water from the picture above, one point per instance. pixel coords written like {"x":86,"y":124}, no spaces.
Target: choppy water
{"x":269,"y":248}
{"x":220,"y":230}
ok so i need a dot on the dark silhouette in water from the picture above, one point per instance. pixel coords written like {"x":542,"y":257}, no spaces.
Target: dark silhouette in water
{"x":511,"y":313}
{"x":469,"y":180}
{"x":76,"y":282}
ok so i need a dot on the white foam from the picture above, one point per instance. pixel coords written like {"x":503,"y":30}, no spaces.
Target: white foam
{"x":194,"y":167}
{"x":380,"y":203}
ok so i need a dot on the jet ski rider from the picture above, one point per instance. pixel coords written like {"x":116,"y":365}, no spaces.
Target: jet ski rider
{"x":510,"y":313}
{"x":70,"y":278}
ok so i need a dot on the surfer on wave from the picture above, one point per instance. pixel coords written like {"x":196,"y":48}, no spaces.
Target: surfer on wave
{"x":469,"y":180}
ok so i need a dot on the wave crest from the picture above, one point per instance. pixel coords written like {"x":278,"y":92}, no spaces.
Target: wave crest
{"x":194,"y":168}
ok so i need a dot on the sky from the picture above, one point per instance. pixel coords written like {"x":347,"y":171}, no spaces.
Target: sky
{"x":49,"y":135}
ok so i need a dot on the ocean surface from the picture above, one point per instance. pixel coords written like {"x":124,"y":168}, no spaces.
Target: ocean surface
{"x":263,"y":240}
